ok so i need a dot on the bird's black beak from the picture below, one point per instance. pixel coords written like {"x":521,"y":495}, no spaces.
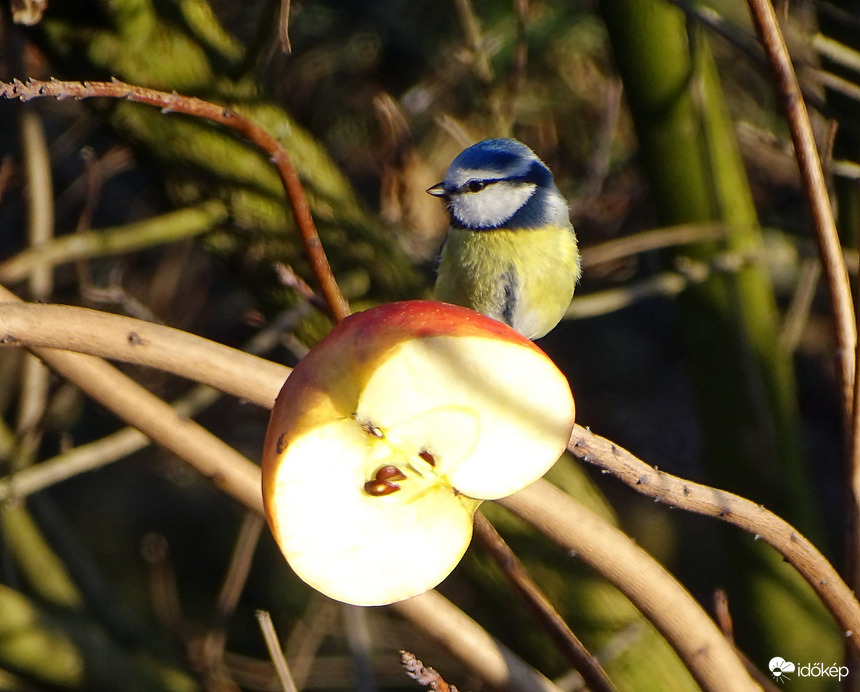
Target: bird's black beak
{"x":438,"y":190}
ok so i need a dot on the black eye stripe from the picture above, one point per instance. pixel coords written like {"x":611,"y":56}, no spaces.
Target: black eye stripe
{"x":536,"y":174}
{"x":478,"y":185}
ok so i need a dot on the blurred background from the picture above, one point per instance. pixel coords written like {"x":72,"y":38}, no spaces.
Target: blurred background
{"x":700,"y":337}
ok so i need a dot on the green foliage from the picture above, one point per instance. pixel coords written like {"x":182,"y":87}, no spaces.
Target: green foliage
{"x":373,"y":103}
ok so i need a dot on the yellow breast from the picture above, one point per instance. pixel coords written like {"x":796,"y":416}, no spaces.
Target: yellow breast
{"x":524,"y":277}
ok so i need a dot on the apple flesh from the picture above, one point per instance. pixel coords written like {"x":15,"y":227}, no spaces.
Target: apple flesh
{"x":389,"y":433}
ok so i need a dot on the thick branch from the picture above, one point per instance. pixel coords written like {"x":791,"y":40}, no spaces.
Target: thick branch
{"x":143,"y":343}
{"x":239,"y":477}
{"x":676,"y":614}
{"x":258,"y":380}
{"x":228,"y":469}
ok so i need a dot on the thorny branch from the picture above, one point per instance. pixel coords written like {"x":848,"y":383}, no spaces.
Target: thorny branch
{"x":176,"y":103}
{"x":732,"y":509}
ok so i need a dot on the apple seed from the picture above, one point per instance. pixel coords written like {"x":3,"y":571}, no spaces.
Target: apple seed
{"x":389,"y":473}
{"x":379,"y":488}
{"x":428,"y":457}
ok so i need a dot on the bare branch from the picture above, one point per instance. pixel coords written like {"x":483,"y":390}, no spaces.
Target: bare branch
{"x":487,"y":658}
{"x":258,"y":380}
{"x":731,"y":508}
{"x":176,"y":103}
{"x":712,"y":660}
{"x":135,"y":341}
{"x":276,"y":653}
{"x":567,"y":642}
{"x":829,"y":249}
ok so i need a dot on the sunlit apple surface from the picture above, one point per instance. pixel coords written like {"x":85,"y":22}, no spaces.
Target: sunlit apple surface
{"x":389,"y":434}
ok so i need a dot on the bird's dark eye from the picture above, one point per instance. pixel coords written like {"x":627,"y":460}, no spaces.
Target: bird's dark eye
{"x":475,"y":185}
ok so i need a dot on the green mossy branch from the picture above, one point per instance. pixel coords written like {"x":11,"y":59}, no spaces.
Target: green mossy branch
{"x":167,"y":228}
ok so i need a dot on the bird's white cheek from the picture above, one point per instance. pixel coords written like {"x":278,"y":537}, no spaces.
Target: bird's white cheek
{"x":492,"y":206}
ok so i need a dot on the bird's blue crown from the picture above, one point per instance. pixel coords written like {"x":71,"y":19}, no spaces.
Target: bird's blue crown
{"x":502,"y":183}
{"x":496,"y":159}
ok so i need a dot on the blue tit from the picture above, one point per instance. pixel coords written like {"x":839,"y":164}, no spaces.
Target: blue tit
{"x":511,"y":251}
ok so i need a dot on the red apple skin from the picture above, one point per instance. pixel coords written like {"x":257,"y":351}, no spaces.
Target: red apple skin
{"x":327,"y":382}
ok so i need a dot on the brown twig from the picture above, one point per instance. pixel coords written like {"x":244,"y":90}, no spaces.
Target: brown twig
{"x":733,"y":509}
{"x":832,"y":261}
{"x":797,"y":316}
{"x":7,"y":173}
{"x":480,"y":59}
{"x":40,"y":197}
{"x":276,"y":653}
{"x":722,"y":614}
{"x":92,"y":190}
{"x":35,"y":378}
{"x":284,"y":27}
{"x":487,"y":658}
{"x":567,"y":642}
{"x":724,"y":620}
{"x":815,"y":189}
{"x":647,"y":241}
{"x":318,"y":621}
{"x":174,"y":102}
{"x":288,"y":278}
{"x":231,"y":589}
{"x":475,"y":41}
{"x":155,"y":551}
{"x":92,"y":187}
{"x":423,"y":675}
{"x":665,"y":284}
{"x":521,"y":52}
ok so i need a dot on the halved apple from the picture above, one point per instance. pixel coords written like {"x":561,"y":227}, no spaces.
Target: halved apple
{"x":388,"y":435}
